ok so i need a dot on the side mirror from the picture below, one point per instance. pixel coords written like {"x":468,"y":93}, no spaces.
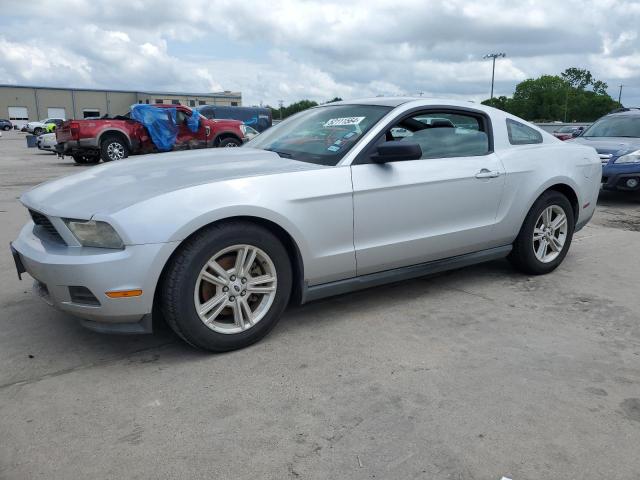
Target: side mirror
{"x":397,"y":151}
{"x":577,"y":133}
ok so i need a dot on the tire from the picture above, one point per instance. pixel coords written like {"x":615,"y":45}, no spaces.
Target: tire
{"x":6,"y":128}
{"x":113,"y":147}
{"x":85,"y":159}
{"x":38,"y":131}
{"x":230,"y":142}
{"x":532,"y":256}
{"x":184,"y":291}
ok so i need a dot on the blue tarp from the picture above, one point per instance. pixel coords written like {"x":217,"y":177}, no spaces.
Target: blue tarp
{"x":193,"y":122}
{"x":160,"y":122}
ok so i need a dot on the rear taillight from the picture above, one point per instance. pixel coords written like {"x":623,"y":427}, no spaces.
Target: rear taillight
{"x":75,"y":130}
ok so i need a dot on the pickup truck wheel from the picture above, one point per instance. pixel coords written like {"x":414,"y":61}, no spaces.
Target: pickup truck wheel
{"x":80,"y":159}
{"x":226,"y":287}
{"x":545,"y":236}
{"x":113,"y":148}
{"x":229,"y":142}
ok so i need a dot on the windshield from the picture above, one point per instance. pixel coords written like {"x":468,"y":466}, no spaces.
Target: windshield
{"x":566,"y":130}
{"x":320,"y":135}
{"x":617,"y":126}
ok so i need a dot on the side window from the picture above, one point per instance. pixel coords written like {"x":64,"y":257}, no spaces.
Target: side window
{"x":443,"y":134}
{"x":181,"y":117}
{"x":520,"y":134}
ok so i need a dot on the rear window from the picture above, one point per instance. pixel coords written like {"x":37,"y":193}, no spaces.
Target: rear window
{"x":521,"y":134}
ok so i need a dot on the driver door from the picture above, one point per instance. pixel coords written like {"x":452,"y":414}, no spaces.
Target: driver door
{"x":442,"y":205}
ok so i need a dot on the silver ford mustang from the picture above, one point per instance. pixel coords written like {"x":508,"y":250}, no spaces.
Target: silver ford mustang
{"x":336,"y":198}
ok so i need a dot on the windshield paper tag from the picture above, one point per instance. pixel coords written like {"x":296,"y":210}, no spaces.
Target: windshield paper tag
{"x":337,"y":122}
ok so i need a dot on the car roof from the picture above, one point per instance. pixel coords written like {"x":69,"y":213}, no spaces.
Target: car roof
{"x":629,"y":112}
{"x":418,"y":101}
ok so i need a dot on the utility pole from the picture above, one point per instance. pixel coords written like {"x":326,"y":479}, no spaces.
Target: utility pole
{"x":493,"y":56}
{"x":620,"y":94}
{"x":280,"y":102}
{"x":421,"y":93}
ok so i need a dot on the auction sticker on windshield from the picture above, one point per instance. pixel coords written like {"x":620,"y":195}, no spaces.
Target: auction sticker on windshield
{"x":338,"y":122}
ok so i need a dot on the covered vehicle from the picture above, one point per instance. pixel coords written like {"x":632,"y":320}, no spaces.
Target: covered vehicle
{"x":145,"y":129}
{"x":616,"y":138}
{"x":327,"y":202}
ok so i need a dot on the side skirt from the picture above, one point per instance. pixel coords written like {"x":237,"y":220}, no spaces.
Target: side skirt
{"x":348,"y":285}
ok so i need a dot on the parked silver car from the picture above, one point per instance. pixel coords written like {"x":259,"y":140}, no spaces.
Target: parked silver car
{"x":326,"y":202}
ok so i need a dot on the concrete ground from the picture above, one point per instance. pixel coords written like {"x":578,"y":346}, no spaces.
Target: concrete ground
{"x":474,"y":374}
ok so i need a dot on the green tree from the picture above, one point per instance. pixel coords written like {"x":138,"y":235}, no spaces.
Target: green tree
{"x":563,"y":97}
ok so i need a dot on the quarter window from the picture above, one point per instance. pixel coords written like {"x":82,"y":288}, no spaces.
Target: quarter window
{"x":520,"y":134}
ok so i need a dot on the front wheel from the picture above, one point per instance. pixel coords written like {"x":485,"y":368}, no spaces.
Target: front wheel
{"x":545,"y":236}
{"x":38,"y":131}
{"x":230,"y":142}
{"x":227,"y":286}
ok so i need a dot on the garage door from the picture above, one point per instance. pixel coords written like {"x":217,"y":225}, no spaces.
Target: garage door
{"x":19,"y":116}
{"x":56,"y":113}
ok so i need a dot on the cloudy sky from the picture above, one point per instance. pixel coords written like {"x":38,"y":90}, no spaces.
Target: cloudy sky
{"x":293,"y":49}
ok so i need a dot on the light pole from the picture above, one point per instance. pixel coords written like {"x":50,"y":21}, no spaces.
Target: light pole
{"x":280,"y":102}
{"x":620,"y":94}
{"x":493,"y":56}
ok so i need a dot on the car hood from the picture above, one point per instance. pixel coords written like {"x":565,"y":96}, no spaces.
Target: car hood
{"x":614,"y":146}
{"x":113,"y":186}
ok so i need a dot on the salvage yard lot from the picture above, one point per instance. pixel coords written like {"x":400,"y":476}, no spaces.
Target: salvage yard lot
{"x":476,"y":373}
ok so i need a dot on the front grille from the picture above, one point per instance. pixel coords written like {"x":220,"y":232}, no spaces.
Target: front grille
{"x":45,"y":225}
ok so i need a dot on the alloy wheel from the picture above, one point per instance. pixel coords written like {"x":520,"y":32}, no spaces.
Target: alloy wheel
{"x":550,"y":233}
{"x":235,"y":289}
{"x":115,"y":151}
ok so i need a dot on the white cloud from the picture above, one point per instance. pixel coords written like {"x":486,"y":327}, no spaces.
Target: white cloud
{"x":289,"y":49}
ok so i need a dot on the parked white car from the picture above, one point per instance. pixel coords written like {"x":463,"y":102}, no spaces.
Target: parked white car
{"x":39,"y":127}
{"x":47,"y":141}
{"x":327,"y":202}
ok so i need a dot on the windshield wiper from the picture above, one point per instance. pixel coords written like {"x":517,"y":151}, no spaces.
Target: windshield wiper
{"x":282,"y":154}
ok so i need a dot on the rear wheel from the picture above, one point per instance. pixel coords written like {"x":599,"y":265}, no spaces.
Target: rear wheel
{"x":113,"y":148}
{"x":227,"y":286}
{"x":83,"y":159}
{"x":545,"y":236}
{"x":6,"y":128}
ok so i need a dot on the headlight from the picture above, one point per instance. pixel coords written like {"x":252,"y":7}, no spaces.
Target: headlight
{"x":94,"y":234}
{"x":243,"y":129}
{"x":633,"y":157}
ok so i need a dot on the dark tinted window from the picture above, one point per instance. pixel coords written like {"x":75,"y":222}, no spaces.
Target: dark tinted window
{"x":520,"y":134}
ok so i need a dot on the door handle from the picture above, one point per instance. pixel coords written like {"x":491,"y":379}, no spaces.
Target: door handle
{"x":485,"y":173}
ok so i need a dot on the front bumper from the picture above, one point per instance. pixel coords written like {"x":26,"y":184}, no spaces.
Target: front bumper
{"x":615,"y":177}
{"x":56,"y":267}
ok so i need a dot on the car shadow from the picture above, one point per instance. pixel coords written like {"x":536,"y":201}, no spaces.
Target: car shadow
{"x":609,"y":198}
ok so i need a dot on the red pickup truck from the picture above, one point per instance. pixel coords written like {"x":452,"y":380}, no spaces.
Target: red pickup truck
{"x":107,"y":139}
